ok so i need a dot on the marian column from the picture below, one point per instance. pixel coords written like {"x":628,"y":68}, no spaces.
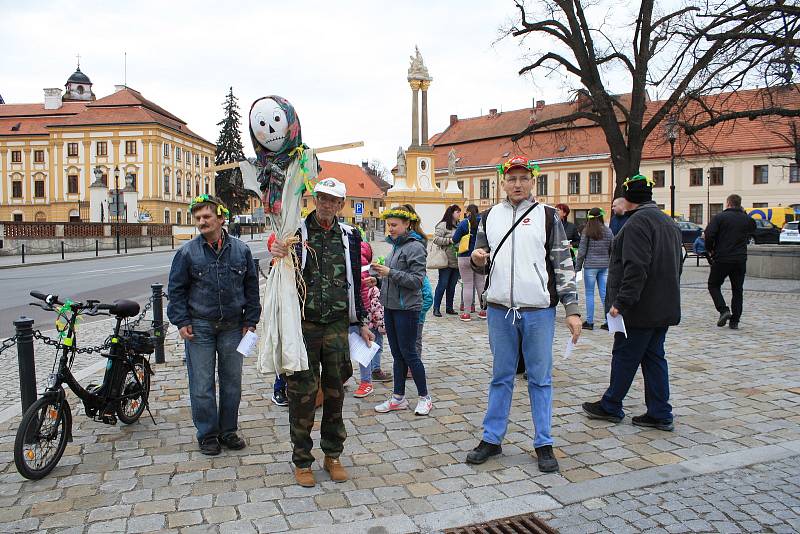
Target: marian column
{"x":414,"y":176}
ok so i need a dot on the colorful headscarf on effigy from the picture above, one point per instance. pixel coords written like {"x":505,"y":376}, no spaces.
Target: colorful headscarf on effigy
{"x":277,"y":139}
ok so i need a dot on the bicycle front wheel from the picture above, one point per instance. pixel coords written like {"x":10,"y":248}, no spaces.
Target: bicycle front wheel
{"x":42,"y":437}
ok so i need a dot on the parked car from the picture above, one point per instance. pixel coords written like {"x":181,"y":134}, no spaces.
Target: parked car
{"x":790,"y":233}
{"x":766,"y":233}
{"x":689,"y":231}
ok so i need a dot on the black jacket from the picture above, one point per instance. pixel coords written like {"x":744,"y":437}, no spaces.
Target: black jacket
{"x":573,"y":235}
{"x":645,"y":269}
{"x":727,"y":234}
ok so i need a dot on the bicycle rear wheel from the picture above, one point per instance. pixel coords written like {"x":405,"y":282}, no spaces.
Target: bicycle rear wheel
{"x":42,"y":437}
{"x":131,"y":408}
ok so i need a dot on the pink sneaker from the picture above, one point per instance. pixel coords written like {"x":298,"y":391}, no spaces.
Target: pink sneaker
{"x":482,"y":314}
{"x":391,"y":404}
{"x":465,"y":317}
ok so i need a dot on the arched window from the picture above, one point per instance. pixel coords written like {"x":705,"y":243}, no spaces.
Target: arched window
{"x":208,"y":192}
{"x":197,"y":187}
{"x":188,"y":186}
{"x":74,"y":216}
{"x":41,"y":216}
{"x":166,"y":217}
{"x":178,"y":217}
{"x":166,"y":183}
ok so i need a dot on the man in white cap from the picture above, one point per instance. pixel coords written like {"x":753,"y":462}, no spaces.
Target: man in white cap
{"x":329,"y":253}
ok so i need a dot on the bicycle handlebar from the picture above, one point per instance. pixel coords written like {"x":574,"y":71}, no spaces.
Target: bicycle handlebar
{"x":91,"y":307}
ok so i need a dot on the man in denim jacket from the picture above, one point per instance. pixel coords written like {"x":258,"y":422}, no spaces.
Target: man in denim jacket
{"x":214,"y":301}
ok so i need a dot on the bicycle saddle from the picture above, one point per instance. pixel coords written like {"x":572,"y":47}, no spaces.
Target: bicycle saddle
{"x":124,"y":308}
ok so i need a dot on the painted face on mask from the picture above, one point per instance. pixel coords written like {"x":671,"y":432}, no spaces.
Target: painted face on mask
{"x":269,"y":124}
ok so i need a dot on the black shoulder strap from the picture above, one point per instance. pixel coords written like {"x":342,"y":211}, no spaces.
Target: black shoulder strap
{"x":549,"y":214}
{"x":500,"y":245}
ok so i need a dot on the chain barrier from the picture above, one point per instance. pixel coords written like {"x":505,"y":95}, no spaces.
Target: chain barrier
{"x":80,"y":350}
{"x":139,"y":319}
{"x":8,"y":343}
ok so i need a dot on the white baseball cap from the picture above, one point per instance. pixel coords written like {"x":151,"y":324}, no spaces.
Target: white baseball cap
{"x":331,"y":186}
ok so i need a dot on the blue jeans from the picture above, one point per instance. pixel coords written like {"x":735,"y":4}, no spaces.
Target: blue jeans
{"x":645,"y":347}
{"x":590,"y":276}
{"x":448,"y":278}
{"x":401,"y":329}
{"x":212,"y":352}
{"x":535,"y":328}
{"x":375,"y":364}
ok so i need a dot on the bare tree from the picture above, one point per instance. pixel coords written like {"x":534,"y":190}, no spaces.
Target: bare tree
{"x":378,"y":172}
{"x":704,"y":48}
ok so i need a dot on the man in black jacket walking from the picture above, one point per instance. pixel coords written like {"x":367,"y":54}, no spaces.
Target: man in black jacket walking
{"x":643,"y":287}
{"x":726,"y":243}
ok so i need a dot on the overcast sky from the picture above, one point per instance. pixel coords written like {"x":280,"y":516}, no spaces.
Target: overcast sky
{"x":342,"y":64}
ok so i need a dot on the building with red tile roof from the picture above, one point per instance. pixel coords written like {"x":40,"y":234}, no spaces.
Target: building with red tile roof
{"x":576,"y":166}
{"x":51,"y":151}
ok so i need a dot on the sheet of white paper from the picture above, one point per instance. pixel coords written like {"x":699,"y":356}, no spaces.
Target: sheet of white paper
{"x":247,"y":344}
{"x":616,"y":324}
{"x":568,"y":350}
{"x":359,"y":350}
{"x":578,"y":277}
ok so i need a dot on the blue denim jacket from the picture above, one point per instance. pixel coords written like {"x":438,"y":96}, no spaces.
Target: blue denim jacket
{"x":215,"y":287}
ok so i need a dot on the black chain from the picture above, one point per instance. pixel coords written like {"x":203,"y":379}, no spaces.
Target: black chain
{"x":139,"y":319}
{"x":8,"y":343}
{"x":57,"y":343}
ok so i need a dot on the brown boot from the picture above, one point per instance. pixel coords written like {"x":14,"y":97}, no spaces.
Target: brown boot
{"x":304,"y":476}
{"x":335,"y":468}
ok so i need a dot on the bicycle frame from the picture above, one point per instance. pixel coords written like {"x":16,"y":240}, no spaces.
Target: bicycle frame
{"x":92,"y":401}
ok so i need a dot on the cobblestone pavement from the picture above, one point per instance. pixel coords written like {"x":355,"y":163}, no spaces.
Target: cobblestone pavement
{"x":737,"y":403}
{"x":759,"y":498}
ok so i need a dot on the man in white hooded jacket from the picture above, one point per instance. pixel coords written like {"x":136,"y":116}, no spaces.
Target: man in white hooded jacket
{"x":531,"y":272}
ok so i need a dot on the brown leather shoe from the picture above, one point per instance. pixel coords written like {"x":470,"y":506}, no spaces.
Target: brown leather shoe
{"x":304,"y":476}
{"x":335,"y":468}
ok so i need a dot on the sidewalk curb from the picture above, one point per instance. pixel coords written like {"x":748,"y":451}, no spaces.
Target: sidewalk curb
{"x":51,"y":262}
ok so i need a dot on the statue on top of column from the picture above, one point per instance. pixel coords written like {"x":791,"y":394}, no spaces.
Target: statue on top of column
{"x":417,"y":70}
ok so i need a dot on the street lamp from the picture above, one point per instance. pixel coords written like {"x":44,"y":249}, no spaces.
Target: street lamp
{"x":116,"y":200}
{"x":672,"y":135}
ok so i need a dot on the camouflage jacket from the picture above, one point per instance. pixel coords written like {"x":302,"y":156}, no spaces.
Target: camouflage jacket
{"x":534,"y":268}
{"x":332,"y":272}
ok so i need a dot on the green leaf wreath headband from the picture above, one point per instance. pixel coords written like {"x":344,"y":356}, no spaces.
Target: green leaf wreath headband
{"x":638,"y":178}
{"x":602,"y":214}
{"x":517,"y":161}
{"x":221,"y":209}
{"x":399,"y":214}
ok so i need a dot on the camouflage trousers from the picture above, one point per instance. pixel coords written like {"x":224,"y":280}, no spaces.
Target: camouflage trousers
{"x":329,"y":366}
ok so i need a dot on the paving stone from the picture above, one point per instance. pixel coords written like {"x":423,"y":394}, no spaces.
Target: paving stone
{"x":146,"y":523}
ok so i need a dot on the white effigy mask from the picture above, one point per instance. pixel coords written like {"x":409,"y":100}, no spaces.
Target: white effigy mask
{"x":269,"y":124}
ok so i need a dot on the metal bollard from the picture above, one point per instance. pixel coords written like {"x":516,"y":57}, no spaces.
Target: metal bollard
{"x":173,"y":242}
{"x":258,"y":271}
{"x":158,"y":320}
{"x":23,"y":253}
{"x":151,"y":243}
{"x":96,"y":247}
{"x":27,"y":364}
{"x":62,"y":250}
{"x":126,"y":245}
{"x":251,"y":232}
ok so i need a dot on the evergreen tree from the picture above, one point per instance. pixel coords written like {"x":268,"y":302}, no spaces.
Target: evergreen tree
{"x":228,"y":183}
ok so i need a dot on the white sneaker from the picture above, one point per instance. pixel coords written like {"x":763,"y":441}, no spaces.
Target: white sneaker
{"x":424,"y":406}
{"x":391,"y":404}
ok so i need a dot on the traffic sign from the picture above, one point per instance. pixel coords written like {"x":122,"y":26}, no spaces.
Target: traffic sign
{"x":359,"y":217}
{"x":359,"y":208}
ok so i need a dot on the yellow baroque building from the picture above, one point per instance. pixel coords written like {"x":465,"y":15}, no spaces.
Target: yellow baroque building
{"x":58,"y":159}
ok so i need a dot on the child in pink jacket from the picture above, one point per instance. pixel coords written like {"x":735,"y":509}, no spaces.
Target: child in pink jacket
{"x":371,"y":298}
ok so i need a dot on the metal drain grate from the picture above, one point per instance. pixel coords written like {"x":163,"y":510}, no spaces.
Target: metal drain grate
{"x":518,"y":524}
